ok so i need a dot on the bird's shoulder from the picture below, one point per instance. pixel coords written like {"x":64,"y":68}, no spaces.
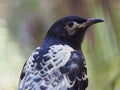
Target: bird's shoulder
{"x":46,"y":61}
{"x":75,"y":71}
{"x":49,"y":60}
{"x":54,"y":56}
{"x":48,"y":57}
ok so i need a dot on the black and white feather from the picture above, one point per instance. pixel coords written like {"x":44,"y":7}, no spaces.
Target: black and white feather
{"x":58,"y":63}
{"x":58,"y":69}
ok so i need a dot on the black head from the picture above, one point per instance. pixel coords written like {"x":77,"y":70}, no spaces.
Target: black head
{"x":71,"y":28}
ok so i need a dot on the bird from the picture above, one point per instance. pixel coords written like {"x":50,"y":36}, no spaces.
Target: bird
{"x":58,"y":63}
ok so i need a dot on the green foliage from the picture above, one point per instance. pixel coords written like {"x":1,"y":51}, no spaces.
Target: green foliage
{"x":11,"y":60}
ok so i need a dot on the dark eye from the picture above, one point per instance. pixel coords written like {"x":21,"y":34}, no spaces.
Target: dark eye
{"x":70,"y":24}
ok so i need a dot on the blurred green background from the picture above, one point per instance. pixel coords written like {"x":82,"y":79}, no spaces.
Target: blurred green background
{"x":24,"y":23}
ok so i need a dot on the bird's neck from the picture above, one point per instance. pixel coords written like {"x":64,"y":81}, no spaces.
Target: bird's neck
{"x":75,"y":43}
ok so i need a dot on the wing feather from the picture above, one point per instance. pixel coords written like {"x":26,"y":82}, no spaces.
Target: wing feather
{"x":75,"y":72}
{"x":59,"y":65}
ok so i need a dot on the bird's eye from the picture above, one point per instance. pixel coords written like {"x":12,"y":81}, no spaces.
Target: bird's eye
{"x":71,"y":27}
{"x":70,"y":24}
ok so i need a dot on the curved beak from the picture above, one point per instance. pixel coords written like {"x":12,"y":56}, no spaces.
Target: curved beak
{"x":90,"y":22}
{"x":94,"y":20}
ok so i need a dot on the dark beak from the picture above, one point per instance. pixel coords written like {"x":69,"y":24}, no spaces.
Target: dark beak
{"x":94,"y":20}
{"x":90,"y":22}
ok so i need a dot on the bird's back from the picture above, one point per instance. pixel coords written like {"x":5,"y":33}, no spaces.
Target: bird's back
{"x":41,"y":71}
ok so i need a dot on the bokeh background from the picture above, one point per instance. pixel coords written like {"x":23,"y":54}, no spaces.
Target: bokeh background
{"x":24,"y":23}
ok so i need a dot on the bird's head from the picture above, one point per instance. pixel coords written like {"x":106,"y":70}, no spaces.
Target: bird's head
{"x":72,"y":28}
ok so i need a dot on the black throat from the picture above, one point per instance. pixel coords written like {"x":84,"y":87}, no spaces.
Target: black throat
{"x":74,"y":42}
